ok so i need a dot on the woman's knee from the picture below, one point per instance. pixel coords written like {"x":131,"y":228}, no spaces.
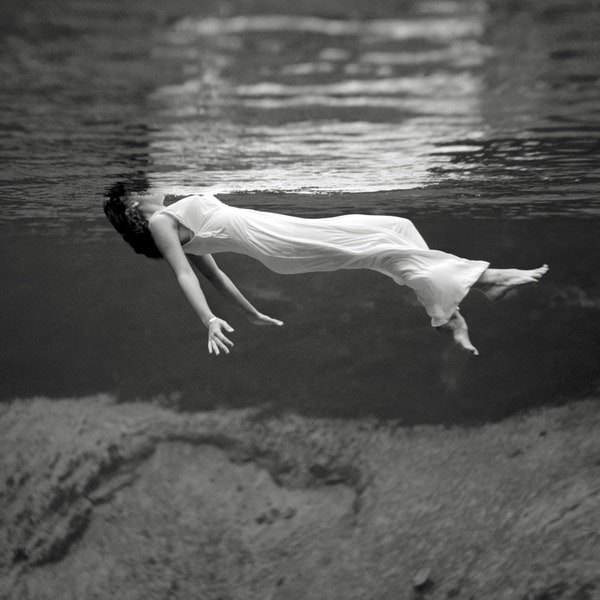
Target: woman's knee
{"x":393,"y":223}
{"x":408,"y":229}
{"x":406,"y":222}
{"x":404,"y":225}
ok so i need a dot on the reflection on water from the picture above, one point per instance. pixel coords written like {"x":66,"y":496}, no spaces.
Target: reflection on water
{"x":488,"y":101}
{"x":307,"y":104}
{"x":463,"y":109}
{"x":539,"y":101}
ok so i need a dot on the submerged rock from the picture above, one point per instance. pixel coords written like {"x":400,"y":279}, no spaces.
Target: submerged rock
{"x":422,"y":579}
{"x":132,"y":501}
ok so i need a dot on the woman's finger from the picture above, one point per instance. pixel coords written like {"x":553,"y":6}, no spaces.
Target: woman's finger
{"x":219,"y":335}
{"x":226,"y":340}
{"x":273,"y":321}
{"x":218,"y":341}
{"x":223,"y":346}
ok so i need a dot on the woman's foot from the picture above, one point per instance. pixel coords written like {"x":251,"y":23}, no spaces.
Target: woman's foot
{"x":496,"y":283}
{"x":457,"y":326}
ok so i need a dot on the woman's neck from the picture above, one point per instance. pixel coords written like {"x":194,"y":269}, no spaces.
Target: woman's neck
{"x":149,"y":204}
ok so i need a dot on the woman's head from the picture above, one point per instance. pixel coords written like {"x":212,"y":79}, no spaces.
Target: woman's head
{"x":126,"y":218}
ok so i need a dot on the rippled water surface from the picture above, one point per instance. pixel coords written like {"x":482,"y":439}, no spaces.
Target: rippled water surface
{"x":485,"y":102}
{"x":438,"y":110}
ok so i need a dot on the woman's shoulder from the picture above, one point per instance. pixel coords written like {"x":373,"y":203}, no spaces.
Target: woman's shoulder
{"x":194,"y":200}
{"x":192,"y":210}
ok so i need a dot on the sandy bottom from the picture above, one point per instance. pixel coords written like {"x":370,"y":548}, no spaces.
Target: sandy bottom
{"x":105,"y":500}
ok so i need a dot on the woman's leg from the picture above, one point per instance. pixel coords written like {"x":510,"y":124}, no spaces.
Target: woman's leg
{"x":405,"y":227}
{"x":457,"y":326}
{"x":439,"y":280}
{"x":397,"y":225}
{"x":496,"y":283}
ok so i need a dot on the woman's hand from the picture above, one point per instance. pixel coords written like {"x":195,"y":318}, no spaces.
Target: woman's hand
{"x":258,"y":318}
{"x":217,"y":340}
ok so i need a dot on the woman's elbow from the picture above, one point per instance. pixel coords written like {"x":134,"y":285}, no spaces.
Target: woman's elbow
{"x":186,"y":278}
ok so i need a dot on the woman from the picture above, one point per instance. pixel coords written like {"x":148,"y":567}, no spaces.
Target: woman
{"x":193,"y":228}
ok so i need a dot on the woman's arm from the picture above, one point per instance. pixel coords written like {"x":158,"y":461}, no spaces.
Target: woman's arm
{"x":164,"y":233}
{"x":222,"y":283}
{"x":208,"y":267}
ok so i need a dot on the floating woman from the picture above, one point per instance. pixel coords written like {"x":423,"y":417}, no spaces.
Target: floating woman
{"x":195,"y":227}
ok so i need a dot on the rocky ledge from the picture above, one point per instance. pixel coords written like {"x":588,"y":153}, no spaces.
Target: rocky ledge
{"x":133,"y":501}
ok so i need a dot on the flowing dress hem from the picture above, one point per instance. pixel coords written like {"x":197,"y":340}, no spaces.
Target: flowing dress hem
{"x":479,"y":267}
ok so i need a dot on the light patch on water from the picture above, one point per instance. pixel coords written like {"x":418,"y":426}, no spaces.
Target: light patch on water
{"x":187,"y":30}
{"x":326,"y":156}
{"x":255,"y":114}
{"x":460,"y":84}
{"x":433,"y":107}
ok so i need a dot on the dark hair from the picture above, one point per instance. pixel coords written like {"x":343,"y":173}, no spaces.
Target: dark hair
{"x":129,"y":221}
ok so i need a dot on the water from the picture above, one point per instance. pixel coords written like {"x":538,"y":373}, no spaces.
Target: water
{"x":480,"y":120}
{"x":454,"y":96}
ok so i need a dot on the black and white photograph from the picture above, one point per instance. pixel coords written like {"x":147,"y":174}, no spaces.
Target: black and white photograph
{"x":300,"y":300}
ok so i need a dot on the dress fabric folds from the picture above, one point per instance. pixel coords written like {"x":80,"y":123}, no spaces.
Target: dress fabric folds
{"x":286,"y":244}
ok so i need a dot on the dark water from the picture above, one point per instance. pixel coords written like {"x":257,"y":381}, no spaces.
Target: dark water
{"x":480,"y":120}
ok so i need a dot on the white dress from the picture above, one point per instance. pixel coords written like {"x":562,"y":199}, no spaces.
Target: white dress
{"x":286,"y":244}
